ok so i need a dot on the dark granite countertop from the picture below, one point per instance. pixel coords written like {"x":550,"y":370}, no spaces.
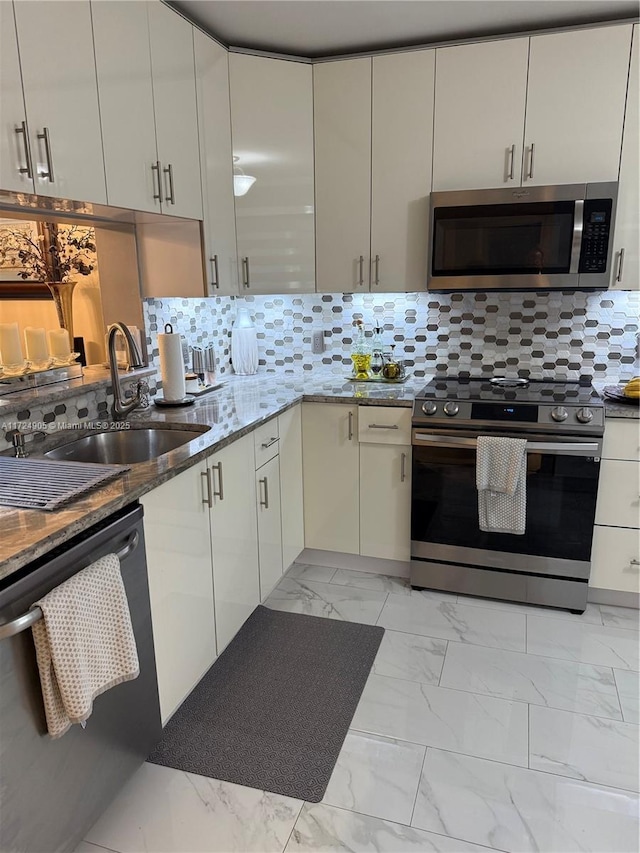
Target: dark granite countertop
{"x":237,"y":408}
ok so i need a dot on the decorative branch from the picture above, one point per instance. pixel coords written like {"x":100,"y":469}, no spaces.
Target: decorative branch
{"x":60,"y":252}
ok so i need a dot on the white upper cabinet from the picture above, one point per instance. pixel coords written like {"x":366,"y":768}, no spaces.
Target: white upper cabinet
{"x":627,"y":228}
{"x":176,"y":114}
{"x":342,"y":106}
{"x":272,"y":125}
{"x":575,"y":105}
{"x":479,"y":115}
{"x":16,"y":172}
{"x":61,"y":98}
{"x":402,"y":130}
{"x":214,"y":124}
{"x":123,"y":63}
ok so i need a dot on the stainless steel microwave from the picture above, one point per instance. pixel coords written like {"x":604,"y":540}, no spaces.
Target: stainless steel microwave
{"x":537,"y":238}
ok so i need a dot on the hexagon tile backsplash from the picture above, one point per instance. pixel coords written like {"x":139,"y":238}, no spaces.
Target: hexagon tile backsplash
{"x":558,"y":334}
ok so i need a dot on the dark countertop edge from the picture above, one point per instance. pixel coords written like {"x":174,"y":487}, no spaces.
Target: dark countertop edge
{"x":90,"y":515}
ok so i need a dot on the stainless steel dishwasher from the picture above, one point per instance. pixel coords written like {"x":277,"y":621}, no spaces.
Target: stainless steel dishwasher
{"x":52,"y":791}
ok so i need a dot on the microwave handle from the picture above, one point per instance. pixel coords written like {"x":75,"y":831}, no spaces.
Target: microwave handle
{"x":590,"y":448}
{"x":576,"y":241}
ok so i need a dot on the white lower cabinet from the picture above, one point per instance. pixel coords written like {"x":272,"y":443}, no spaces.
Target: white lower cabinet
{"x":234,"y":537}
{"x":385,"y":501}
{"x":269,"y":526}
{"x":615,"y":553}
{"x":615,"y":559}
{"x":291,"y":488}
{"x":331,"y":466}
{"x":178,"y":543}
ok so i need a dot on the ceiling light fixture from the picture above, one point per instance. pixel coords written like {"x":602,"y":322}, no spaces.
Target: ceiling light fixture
{"x":241,"y":183}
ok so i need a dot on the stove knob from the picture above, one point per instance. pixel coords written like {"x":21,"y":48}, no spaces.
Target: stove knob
{"x":584,"y":415}
{"x":429,"y":408}
{"x":451,"y":408}
{"x":559,"y":413}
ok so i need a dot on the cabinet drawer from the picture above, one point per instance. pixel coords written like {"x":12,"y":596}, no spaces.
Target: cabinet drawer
{"x":384,"y":425}
{"x":615,"y":559}
{"x":622,"y":439}
{"x":618,"y":501}
{"x":266,"y":440}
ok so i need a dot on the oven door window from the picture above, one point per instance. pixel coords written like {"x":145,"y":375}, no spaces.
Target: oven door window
{"x":561,"y":504}
{"x":528,"y":238}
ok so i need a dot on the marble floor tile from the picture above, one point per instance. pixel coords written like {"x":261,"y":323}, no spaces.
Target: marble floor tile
{"x":448,"y":719}
{"x":161,"y":810}
{"x":376,"y":776}
{"x":323,"y":828}
{"x":370,"y":580}
{"x":85,"y":847}
{"x":518,"y":810}
{"x":327,"y":599}
{"x":620,"y":617}
{"x":590,"y":615}
{"x":596,"y":644}
{"x":628,"y":683}
{"x":561,"y":684}
{"x":302,"y":571}
{"x":593,"y":749}
{"x":451,"y":621}
{"x":410,"y":656}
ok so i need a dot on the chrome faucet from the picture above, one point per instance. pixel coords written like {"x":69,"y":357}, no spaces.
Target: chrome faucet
{"x":120,"y":409}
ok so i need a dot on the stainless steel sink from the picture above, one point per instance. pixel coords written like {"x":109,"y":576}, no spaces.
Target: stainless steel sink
{"x":125,"y":447}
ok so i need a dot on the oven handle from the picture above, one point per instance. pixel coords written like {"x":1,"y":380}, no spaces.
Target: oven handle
{"x":574,"y":448}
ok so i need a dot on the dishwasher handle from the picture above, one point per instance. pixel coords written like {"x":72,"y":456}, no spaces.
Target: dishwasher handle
{"x":21,"y":623}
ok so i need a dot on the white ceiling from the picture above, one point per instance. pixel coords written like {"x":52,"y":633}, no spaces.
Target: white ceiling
{"x":316,"y":28}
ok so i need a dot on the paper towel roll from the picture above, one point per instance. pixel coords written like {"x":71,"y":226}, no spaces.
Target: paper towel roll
{"x":171,"y":364}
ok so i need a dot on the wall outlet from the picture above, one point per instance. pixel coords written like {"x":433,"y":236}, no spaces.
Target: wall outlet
{"x":317,"y":342}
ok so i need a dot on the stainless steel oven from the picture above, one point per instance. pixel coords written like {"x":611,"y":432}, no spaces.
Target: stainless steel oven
{"x":538,"y":238}
{"x":563,"y":424}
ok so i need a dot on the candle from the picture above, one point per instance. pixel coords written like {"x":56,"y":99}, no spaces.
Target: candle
{"x":59,"y":343}
{"x":10,"y":348}
{"x":35,"y":341}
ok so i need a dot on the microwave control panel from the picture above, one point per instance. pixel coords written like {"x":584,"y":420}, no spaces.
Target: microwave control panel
{"x":596,"y":231}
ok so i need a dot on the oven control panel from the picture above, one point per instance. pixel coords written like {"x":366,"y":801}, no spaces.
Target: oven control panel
{"x":547,"y":417}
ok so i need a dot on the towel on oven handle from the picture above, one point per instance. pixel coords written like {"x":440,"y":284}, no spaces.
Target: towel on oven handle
{"x":501,"y":480}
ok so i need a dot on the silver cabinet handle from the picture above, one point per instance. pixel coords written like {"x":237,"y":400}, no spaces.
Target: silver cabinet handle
{"x":265,"y":503}
{"x":27,"y":169}
{"x":208,"y":500}
{"x":169,"y":194}
{"x":361,"y":271}
{"x":215,"y":278}
{"x":157,"y":169}
{"x":532,"y":152}
{"x":246,"y":280}
{"x":634,"y":562}
{"x":403,"y":463}
{"x":620,"y":264}
{"x":350,"y":434}
{"x":376,"y":264}
{"x":512,"y":162}
{"x":44,"y":136}
{"x":269,"y":443}
{"x":220,"y":493}
{"x":383,"y":426}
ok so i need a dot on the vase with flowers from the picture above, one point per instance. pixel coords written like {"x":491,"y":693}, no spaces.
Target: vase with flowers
{"x":53,"y":257}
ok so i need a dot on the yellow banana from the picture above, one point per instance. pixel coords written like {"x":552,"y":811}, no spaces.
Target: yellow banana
{"x":632,"y":388}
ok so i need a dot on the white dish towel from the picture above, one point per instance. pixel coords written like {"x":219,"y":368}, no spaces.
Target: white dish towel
{"x":84,"y":644}
{"x":501,"y":479}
